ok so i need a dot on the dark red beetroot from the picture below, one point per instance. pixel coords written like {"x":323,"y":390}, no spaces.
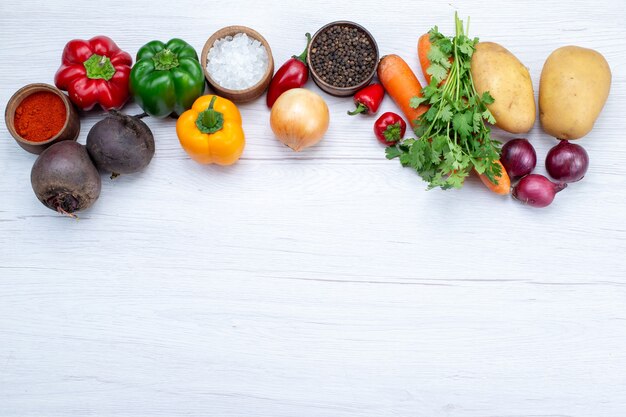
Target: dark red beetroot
{"x":120,"y":144}
{"x":64,"y":178}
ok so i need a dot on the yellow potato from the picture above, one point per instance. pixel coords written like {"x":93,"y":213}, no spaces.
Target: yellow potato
{"x":574,"y":86}
{"x":498,"y":71}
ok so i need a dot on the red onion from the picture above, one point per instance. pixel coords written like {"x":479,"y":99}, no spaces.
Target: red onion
{"x":518,"y":157}
{"x":567,"y":162}
{"x":536,"y":190}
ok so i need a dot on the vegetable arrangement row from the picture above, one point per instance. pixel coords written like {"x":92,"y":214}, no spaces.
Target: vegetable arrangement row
{"x":471,"y":86}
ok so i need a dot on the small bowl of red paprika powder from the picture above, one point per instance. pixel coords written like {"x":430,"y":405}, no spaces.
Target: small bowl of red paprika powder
{"x":39,"y":115}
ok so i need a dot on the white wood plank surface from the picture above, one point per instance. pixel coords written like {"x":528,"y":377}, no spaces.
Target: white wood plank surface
{"x":325,"y":283}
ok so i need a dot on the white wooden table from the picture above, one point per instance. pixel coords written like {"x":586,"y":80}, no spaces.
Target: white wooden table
{"x":323,"y":284}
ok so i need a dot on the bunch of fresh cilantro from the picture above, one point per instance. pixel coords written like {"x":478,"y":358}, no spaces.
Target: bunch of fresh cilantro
{"x":452,"y":135}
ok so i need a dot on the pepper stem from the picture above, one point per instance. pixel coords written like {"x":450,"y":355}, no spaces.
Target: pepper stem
{"x":210,"y":120}
{"x":360,"y":108}
{"x":99,"y":67}
{"x":165,"y":60}
{"x":393,"y":132}
{"x":302,"y":56}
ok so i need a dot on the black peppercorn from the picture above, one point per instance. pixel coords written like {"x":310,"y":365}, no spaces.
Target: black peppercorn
{"x":343,"y":56}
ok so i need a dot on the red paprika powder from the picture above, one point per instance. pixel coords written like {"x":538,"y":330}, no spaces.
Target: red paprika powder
{"x":40,"y":116}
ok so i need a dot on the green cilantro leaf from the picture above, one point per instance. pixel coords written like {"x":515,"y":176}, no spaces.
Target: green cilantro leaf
{"x":477,"y":121}
{"x":445,"y":45}
{"x":462,"y":124}
{"x":437,"y":71}
{"x":487,"y":98}
{"x":416,"y":101}
{"x":456,"y":180}
{"x":392,"y":152}
{"x":466,"y":47}
{"x":446,"y":113}
{"x":431,"y":89}
{"x":435,"y":55}
{"x":489,"y":117}
{"x":430,"y":114}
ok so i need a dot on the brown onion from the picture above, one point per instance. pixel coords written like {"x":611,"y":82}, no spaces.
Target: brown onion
{"x":299,"y":118}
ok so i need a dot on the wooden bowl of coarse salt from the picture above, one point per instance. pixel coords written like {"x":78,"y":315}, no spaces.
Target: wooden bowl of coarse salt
{"x":238,"y":63}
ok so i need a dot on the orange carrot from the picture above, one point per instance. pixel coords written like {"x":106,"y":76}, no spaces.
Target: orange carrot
{"x":423,"y":47}
{"x":402,"y":85}
{"x":504,"y":182}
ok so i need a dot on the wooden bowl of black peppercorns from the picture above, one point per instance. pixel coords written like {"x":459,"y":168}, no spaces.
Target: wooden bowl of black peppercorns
{"x":342,"y":58}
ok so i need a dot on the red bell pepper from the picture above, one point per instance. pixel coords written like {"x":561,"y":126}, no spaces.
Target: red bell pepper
{"x":95,"y":72}
{"x":292,"y":74}
{"x":368,"y":99}
{"x":390,"y":128}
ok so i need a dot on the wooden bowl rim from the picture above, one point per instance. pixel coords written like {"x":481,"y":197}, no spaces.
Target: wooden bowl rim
{"x":316,"y":76}
{"x":231,"y":31}
{"x":19,"y":96}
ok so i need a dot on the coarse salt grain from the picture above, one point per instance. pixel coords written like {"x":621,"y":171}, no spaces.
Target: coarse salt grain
{"x":237,"y":62}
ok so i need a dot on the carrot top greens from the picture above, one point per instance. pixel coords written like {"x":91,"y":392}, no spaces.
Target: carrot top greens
{"x":452,"y":137}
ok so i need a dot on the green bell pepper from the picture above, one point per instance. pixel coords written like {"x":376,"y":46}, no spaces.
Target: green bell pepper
{"x":166,"y":78}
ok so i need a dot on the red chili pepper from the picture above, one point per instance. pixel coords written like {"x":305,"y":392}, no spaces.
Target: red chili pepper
{"x":95,"y":72}
{"x":389,"y":128}
{"x":368,"y":99}
{"x":293,"y":74}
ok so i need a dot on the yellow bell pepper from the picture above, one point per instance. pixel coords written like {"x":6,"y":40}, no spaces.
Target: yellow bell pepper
{"x":210,"y":132}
